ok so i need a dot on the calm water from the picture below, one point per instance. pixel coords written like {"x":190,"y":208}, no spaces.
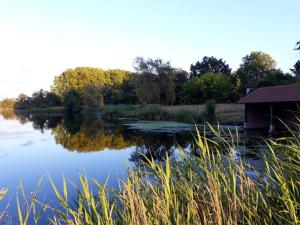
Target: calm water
{"x":35,"y":146}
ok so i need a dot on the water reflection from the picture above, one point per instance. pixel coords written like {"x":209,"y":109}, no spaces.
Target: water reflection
{"x":83,"y":134}
{"x":89,"y":134}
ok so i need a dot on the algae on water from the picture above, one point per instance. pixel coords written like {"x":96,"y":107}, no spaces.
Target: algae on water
{"x":161,"y":126}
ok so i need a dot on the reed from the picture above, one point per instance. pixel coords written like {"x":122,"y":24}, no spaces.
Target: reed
{"x":210,"y":187}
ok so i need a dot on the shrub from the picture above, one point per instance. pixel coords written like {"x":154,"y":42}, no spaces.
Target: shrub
{"x":187,"y":116}
{"x":154,"y":112}
{"x":114,"y":111}
{"x":210,"y":110}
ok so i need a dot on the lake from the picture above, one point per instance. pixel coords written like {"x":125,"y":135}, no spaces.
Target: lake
{"x":35,"y":146}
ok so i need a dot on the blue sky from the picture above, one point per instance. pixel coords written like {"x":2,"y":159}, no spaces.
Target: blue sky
{"x":39,"y":39}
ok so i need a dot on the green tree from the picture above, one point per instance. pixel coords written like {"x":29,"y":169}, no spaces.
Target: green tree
{"x":38,"y":98}
{"x":120,"y":88}
{"x":147,"y":89}
{"x":91,"y":97}
{"x":181,"y":77}
{"x":77,"y":79}
{"x":208,"y":86}
{"x":192,"y":92}
{"x":72,"y":101}
{"x":52,"y":99}
{"x":276,"y":77}
{"x":155,"y":81}
{"x":114,"y":85}
{"x":23,"y":101}
{"x":210,"y":64}
{"x":296,"y":69}
{"x":255,"y":67}
{"x":128,"y":90}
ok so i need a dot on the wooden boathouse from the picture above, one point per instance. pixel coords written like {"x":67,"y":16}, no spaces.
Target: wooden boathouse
{"x":270,"y":107}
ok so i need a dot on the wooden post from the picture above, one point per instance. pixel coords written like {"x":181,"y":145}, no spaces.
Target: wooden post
{"x":246,"y":118}
{"x":272,"y":127}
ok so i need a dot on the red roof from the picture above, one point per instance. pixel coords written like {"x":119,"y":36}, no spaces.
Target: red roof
{"x":284,"y":93}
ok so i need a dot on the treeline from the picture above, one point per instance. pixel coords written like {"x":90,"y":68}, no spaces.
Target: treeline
{"x":157,"y":82}
{"x":7,"y":103}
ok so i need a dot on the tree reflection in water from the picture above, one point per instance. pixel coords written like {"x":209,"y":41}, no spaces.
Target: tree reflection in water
{"x":87,"y":134}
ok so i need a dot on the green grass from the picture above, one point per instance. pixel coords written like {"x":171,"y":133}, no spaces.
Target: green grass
{"x":200,"y":188}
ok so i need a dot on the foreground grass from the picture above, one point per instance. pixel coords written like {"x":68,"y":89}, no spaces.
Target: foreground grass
{"x":206,"y":187}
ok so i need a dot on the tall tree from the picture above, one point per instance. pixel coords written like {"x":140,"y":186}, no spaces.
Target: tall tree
{"x":210,"y":65}
{"x":155,"y":81}
{"x":181,"y":77}
{"x":209,"y":86}
{"x":296,"y":69}
{"x":276,"y":77}
{"x":110,"y":83}
{"x":255,"y":67}
{"x":147,"y":89}
{"x":91,"y":97}
{"x":77,"y":79}
{"x":121,"y":88}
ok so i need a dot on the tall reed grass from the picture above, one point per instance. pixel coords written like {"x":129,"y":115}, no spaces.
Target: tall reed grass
{"x":210,"y":187}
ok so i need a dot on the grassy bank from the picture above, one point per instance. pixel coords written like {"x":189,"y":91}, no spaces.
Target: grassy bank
{"x":158,"y":113}
{"x":150,"y":112}
{"x":207,"y":187}
{"x":223,"y":113}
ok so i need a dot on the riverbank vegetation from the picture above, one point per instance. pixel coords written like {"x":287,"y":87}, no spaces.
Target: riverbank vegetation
{"x":210,"y":111}
{"x":157,"y":112}
{"x":208,"y":186}
{"x":155,"y":81}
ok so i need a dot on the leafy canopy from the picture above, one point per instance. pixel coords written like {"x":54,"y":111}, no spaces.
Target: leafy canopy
{"x":255,"y":67}
{"x":208,"y":86}
{"x":113,"y":85}
{"x":210,"y":64}
{"x":155,"y":81}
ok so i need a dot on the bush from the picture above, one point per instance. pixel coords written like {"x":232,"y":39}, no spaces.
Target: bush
{"x":187,"y":116}
{"x":114,"y":111}
{"x":210,"y":110}
{"x":154,"y":112}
